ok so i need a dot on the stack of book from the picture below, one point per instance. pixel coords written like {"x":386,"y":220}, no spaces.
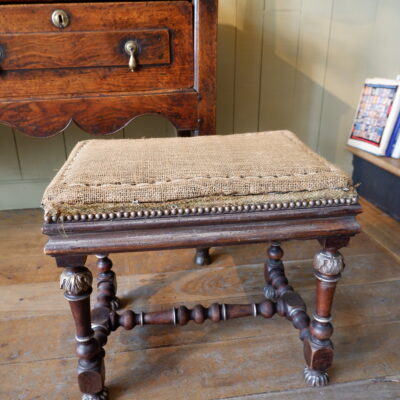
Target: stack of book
{"x":376,"y":127}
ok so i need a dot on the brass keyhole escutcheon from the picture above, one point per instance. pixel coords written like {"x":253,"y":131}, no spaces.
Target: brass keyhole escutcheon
{"x":131,"y":48}
{"x":60,"y":19}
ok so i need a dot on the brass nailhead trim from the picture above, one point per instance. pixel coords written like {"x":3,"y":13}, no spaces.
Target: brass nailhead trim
{"x":202,"y":210}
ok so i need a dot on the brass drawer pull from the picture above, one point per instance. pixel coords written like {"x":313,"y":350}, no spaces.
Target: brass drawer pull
{"x":60,"y":19}
{"x":131,"y":49}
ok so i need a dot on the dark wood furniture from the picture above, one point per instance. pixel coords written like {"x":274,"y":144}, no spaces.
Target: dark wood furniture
{"x":69,"y":61}
{"x":101,"y":64}
{"x":132,"y":195}
{"x":70,"y":241}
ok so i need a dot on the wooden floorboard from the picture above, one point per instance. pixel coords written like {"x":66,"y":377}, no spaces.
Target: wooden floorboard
{"x":370,"y":304}
{"x":380,"y":226}
{"x":384,"y":388}
{"x":225,"y":368}
{"x":28,"y":264}
{"x":247,"y":359}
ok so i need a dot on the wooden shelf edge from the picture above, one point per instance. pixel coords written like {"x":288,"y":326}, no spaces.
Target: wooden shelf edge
{"x":391,"y":165}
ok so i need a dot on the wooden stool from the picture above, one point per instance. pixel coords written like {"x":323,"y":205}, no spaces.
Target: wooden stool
{"x":154,"y":194}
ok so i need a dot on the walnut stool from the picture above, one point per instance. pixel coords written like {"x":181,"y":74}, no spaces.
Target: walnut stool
{"x":154,"y":194}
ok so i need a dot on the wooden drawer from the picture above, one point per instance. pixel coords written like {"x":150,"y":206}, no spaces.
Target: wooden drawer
{"x":88,"y":55}
{"x":80,"y":50}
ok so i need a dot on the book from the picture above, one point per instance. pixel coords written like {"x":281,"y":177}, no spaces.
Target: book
{"x":396,"y":147}
{"x":376,"y":116}
{"x":393,"y":138}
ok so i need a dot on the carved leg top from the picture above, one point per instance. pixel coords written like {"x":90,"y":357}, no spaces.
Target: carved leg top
{"x":76,"y":282}
{"x":329,"y":262}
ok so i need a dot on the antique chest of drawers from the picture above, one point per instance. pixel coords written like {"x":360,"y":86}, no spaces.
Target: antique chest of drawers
{"x":102,"y":64}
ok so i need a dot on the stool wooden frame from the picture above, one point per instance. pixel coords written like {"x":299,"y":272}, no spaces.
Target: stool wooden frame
{"x":72,"y":239}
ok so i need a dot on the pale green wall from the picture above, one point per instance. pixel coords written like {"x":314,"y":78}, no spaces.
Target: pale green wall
{"x":295,"y":64}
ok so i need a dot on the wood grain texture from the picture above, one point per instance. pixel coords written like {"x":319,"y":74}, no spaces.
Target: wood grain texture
{"x":389,"y":164}
{"x":146,"y":361}
{"x":99,"y":45}
{"x":384,"y":388}
{"x":221,"y":218}
{"x":205,"y":44}
{"x":149,"y":290}
{"x":95,"y":16}
{"x":384,"y":229}
{"x":364,"y":307}
{"x":197,"y":235}
{"x":212,"y":369}
{"x":68,"y":82}
{"x":25,"y":268}
{"x":78,"y":50}
{"x":99,"y":115}
{"x":92,"y":65}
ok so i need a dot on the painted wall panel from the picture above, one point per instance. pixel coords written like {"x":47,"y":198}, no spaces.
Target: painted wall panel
{"x":40,"y":158}
{"x":384,"y":57}
{"x":249,"y":30}
{"x":347,"y":67}
{"x":315,"y":24}
{"x":283,"y":5}
{"x":9,"y":165}
{"x":149,"y":126}
{"x":279,"y":63}
{"x":226,"y":48}
{"x":21,"y":194}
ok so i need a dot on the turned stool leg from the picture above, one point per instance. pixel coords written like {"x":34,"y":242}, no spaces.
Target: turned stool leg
{"x":289,"y":304}
{"x":106,"y":284}
{"x":77,"y":284}
{"x":274,"y":262}
{"x":318,"y":348}
{"x":202,"y":256}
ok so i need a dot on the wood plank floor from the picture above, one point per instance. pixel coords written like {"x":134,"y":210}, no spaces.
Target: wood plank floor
{"x":247,"y":359}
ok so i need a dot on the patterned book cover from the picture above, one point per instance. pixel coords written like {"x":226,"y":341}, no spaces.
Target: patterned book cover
{"x":376,"y":115}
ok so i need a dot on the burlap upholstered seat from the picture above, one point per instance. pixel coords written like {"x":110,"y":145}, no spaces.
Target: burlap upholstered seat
{"x":267,"y":169}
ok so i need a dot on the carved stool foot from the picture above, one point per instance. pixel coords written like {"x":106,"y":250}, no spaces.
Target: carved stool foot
{"x":315,"y":378}
{"x":202,"y":257}
{"x":270,"y":293}
{"x":103,"y":395}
